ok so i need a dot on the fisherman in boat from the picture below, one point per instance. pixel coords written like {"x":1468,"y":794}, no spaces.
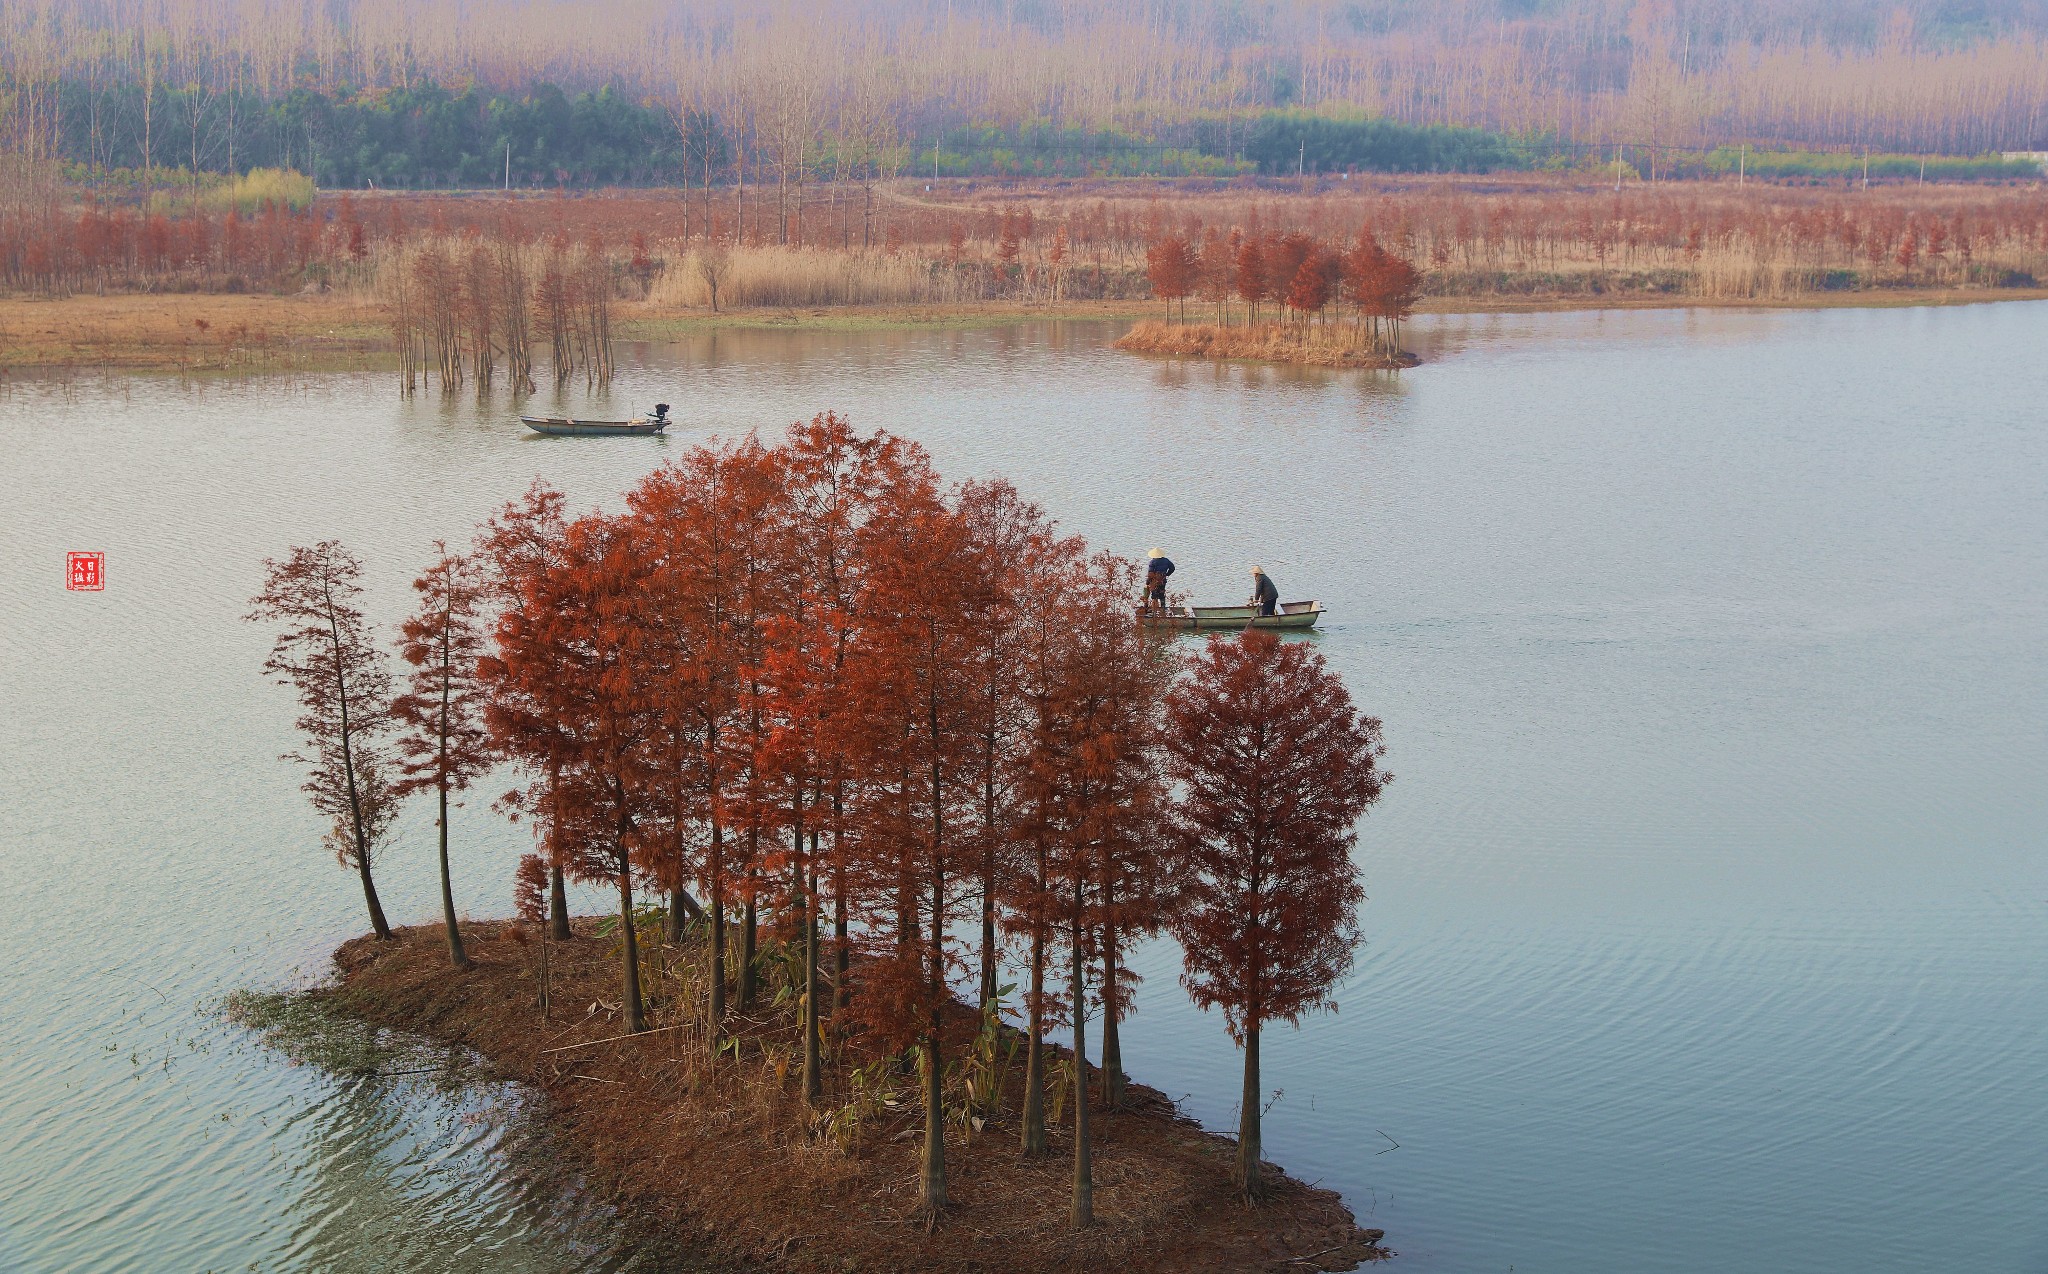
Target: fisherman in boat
{"x":1157,"y":567}
{"x":1265,"y":597}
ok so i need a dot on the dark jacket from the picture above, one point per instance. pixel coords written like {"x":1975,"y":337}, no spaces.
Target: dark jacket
{"x":1161,"y":566}
{"x":1264,"y":595}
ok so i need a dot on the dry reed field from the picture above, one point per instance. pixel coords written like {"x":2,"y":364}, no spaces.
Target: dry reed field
{"x":462,"y":280}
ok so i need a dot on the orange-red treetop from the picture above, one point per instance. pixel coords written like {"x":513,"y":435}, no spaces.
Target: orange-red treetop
{"x":1275,"y":766}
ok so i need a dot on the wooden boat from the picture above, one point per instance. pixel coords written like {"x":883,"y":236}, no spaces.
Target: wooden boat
{"x":1294,"y":617}
{"x":568,"y":427}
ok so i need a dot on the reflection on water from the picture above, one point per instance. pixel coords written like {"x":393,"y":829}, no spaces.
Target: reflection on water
{"x":1707,"y":906}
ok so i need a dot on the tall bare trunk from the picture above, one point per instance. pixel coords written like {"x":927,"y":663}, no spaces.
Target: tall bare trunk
{"x":1112,"y":1046}
{"x":717,"y":874}
{"x":750,"y":938}
{"x":635,"y":1017}
{"x":558,"y":905}
{"x":933,"y":1187}
{"x":1248,"y":1149}
{"x":1033,"y":1122}
{"x":378,"y":924}
{"x":455,"y":951}
{"x":1084,"y":1160}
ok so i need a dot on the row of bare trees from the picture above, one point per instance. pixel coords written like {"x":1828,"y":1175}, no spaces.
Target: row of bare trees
{"x":1466,"y":238}
{"x":855,"y":711}
{"x":1863,"y":72}
{"x":457,"y":307}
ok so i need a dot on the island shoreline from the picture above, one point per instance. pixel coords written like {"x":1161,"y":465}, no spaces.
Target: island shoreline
{"x":717,"y":1157}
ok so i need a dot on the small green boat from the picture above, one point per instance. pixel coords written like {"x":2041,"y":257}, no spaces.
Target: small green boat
{"x":1295,"y":617}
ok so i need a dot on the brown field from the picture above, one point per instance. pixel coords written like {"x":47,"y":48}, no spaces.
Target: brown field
{"x":718,"y":1159}
{"x":98,"y":286}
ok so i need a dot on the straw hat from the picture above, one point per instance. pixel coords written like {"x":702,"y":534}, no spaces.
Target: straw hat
{"x":1258,"y":570}
{"x":1157,"y":553}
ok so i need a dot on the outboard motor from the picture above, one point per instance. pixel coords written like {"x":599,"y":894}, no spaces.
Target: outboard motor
{"x":661,"y":412}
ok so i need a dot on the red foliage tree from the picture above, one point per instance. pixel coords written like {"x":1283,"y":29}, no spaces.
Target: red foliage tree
{"x":1251,"y":276}
{"x":908,"y":674}
{"x":328,"y":654}
{"x":1310,"y":290}
{"x":1274,"y":765}
{"x":1170,"y":265}
{"x":440,"y":715}
{"x":562,"y":697}
{"x":517,"y":546}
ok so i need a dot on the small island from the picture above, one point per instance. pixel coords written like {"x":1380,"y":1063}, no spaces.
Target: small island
{"x":726,"y":1161}
{"x":1308,"y":280}
{"x":806,"y":782}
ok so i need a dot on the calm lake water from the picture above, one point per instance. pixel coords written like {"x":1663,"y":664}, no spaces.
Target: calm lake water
{"x":1709,"y":909}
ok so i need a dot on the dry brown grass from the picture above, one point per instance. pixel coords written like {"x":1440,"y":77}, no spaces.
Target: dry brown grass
{"x":719,"y":1157}
{"x":1331,"y":345}
{"x":191,"y":332}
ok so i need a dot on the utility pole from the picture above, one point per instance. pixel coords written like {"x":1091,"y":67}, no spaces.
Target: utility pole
{"x":1866,"y":167}
{"x":1742,"y":171}
{"x":508,"y":164}
{"x":1301,"y":160}
{"x":1617,"y":168}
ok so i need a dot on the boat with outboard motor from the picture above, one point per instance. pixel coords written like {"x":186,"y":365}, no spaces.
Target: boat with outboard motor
{"x":571,"y":427}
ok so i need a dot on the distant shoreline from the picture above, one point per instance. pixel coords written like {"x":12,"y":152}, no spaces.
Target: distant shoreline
{"x":331,"y":332}
{"x":714,"y":1158}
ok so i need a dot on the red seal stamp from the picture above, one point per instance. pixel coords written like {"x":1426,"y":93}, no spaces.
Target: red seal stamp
{"x":85,"y":572}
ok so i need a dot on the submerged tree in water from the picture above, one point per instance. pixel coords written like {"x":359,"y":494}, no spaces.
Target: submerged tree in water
{"x":326,"y":652}
{"x":1275,"y":766}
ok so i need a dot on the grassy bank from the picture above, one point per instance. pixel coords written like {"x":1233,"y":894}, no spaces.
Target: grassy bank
{"x":727,"y":1160}
{"x":333,"y":332}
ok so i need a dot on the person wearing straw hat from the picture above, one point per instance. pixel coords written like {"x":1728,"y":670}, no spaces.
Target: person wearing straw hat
{"x":1157,"y":567}
{"x":1264,"y":595}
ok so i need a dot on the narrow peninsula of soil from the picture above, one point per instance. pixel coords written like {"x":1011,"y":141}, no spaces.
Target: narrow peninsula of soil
{"x":725,"y":1159}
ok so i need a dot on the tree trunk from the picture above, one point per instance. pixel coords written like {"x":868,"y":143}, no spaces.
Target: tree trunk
{"x":1246,"y":1177}
{"x":814,"y":1078}
{"x":635,"y":1017}
{"x":842,"y":994}
{"x":1033,"y":1134}
{"x":378,"y":925}
{"x":717,"y":933}
{"x":558,"y":905}
{"x":1084,"y":1163}
{"x":750,"y":946}
{"x":455,"y":951}
{"x":988,"y":874}
{"x":1112,"y":1047}
{"x":934,"y":1184}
